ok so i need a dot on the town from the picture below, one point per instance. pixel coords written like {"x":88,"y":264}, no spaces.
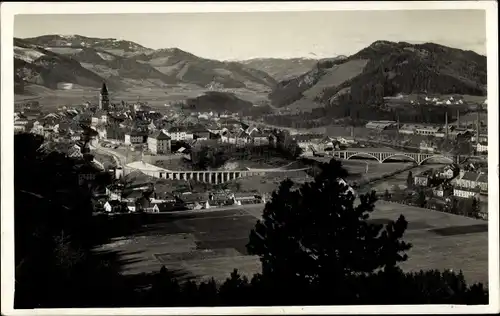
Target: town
{"x":141,"y":148}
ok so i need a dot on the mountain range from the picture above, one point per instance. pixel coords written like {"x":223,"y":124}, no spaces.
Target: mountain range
{"x":381,"y":69}
{"x":52,"y":60}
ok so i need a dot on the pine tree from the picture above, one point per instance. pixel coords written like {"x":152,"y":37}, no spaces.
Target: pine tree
{"x":409,"y":179}
{"x":387,"y":195}
{"x":315,"y":234}
{"x":475,"y":208}
{"x":421,"y":198}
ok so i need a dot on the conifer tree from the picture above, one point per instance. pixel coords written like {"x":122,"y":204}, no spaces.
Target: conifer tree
{"x":317,"y":234}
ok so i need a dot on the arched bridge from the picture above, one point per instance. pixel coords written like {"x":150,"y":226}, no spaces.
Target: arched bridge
{"x":207,"y":176}
{"x":381,"y":157}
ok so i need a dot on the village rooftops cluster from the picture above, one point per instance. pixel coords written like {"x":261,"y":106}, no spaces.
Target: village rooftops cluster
{"x":143,"y":197}
{"x":455,"y":181}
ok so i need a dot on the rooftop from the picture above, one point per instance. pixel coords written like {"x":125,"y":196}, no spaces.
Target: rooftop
{"x":483,"y":178}
{"x":471,"y":176}
{"x":160,"y":135}
{"x":177,"y":129}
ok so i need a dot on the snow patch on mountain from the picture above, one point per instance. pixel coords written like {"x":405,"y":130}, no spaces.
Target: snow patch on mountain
{"x":27,"y":54}
{"x":105,"y":56}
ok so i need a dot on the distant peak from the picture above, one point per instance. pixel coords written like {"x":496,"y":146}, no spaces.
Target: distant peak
{"x":68,"y":36}
{"x":170,"y":50}
{"x":382,"y":43}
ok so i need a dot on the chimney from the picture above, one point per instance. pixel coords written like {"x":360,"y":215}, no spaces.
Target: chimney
{"x":352,"y":131}
{"x":477,"y":126}
{"x":446,"y":124}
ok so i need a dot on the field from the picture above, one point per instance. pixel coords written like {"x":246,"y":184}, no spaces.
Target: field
{"x":211,"y":244}
{"x":156,"y":96}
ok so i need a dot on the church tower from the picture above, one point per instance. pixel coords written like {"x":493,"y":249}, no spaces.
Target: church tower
{"x":104,"y":98}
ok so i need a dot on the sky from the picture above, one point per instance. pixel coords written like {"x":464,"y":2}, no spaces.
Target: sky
{"x":238,"y":36}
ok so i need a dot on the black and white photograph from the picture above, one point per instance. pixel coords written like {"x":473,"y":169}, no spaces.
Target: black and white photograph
{"x":250,"y":156}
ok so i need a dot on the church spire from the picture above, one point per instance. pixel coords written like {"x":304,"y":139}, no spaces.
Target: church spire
{"x":104,"y":89}
{"x":104,"y":98}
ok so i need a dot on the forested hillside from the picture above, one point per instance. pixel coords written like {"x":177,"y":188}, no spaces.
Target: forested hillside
{"x":389,"y":68}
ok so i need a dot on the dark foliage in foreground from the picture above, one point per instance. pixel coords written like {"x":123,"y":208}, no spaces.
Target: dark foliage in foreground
{"x":384,"y":287}
{"x":355,"y":262}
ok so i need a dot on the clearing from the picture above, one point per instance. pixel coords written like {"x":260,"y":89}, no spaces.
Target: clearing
{"x":201,"y":245}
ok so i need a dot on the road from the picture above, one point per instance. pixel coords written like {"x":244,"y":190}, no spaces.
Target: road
{"x":119,"y":159}
{"x":254,"y":210}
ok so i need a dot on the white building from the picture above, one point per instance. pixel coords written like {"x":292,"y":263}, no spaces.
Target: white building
{"x":438,"y":191}
{"x":427,"y":147}
{"x":472,"y":180}
{"x":465,"y":193}
{"x":447,"y":173}
{"x":159,"y":143}
{"x":179,"y":134}
{"x":482,"y":147}
{"x":346,"y":140}
{"x":427,"y":130}
{"x":381,"y":125}
{"x":483,"y":138}
{"x":133,"y":138}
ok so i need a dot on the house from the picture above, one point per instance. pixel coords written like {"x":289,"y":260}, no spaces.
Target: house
{"x":466,"y":193}
{"x":135,"y":137}
{"x":99,"y":117}
{"x":243,"y":139}
{"x":482,"y":148}
{"x":162,"y":207}
{"x":438,"y":191}
{"x":469,"y":180}
{"x":273,"y":139}
{"x":179,"y":133}
{"x":240,"y":198}
{"x":427,"y":130}
{"x":483,"y":138}
{"x":159,"y":143}
{"x":114,"y":192}
{"x":215,"y":129}
{"x":131,"y":207}
{"x":407,"y":129}
{"x":427,"y":146}
{"x":129,"y":195}
{"x":421,"y":180}
{"x":200,"y":132}
{"x":20,"y":123}
{"x":230,"y":123}
{"x":381,"y":125}
{"x":194,"y":200}
{"x":19,"y":127}
{"x":482,"y":182}
{"x":456,"y":130}
{"x":74,"y":152}
{"x":251,"y":129}
{"x":448,"y":172}
{"x":259,"y":138}
{"x":112,"y":206}
{"x":346,"y":140}
{"x":228,"y":137}
{"x":102,"y":132}
{"x":305,"y":140}
{"x":86,"y":173}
